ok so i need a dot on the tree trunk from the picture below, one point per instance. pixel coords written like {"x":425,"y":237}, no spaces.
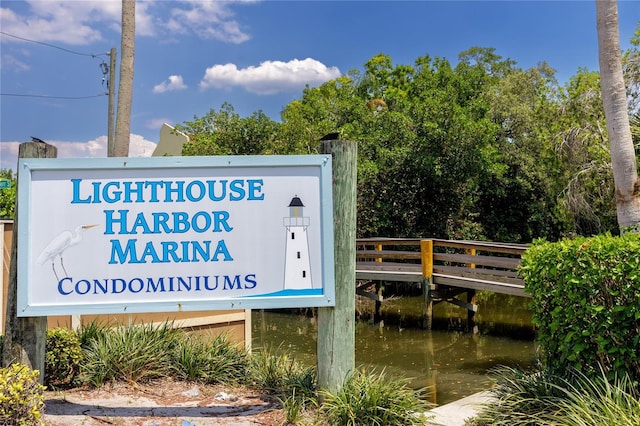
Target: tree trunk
{"x":614,"y":97}
{"x":125,"y":87}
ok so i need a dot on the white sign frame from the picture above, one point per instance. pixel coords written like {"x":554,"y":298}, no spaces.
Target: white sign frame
{"x":236,"y":200}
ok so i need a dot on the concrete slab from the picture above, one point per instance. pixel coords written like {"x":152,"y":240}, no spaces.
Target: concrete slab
{"x":455,"y":413}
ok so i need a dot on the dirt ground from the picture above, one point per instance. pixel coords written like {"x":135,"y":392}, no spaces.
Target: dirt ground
{"x":163,"y":403}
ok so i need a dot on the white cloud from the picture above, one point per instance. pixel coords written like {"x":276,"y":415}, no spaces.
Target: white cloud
{"x":138,"y":147}
{"x":70,"y":22}
{"x":210,"y":19}
{"x":156,"y":123}
{"x":12,"y":63}
{"x":82,"y":22}
{"x":270,"y":76}
{"x":173,"y":83}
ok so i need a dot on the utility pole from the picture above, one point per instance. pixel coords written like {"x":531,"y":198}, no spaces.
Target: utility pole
{"x":125,"y":82}
{"x":111,"y":147}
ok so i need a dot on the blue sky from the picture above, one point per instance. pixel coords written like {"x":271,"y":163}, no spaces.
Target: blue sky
{"x":192,"y":56}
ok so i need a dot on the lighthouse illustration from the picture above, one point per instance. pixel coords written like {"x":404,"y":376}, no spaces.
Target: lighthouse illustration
{"x":297,"y":268}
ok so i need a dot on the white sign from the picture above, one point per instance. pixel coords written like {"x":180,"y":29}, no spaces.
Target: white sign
{"x":165,"y":234}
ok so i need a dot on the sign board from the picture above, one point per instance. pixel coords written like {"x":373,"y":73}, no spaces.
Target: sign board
{"x":164,"y":234}
{"x":5,"y":183}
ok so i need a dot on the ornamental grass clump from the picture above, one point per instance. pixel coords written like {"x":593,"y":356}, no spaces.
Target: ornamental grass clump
{"x":132,"y":353}
{"x":21,"y":396}
{"x":279,"y":373}
{"x":599,"y":402}
{"x":213,"y":361}
{"x":541,"y":398}
{"x":370,"y":399}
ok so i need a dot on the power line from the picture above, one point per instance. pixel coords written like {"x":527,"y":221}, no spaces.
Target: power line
{"x":103,"y":67}
{"x":55,"y":47}
{"x":53,"y":97}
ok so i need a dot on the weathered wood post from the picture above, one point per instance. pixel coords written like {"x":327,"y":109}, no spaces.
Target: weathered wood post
{"x":336,"y":328}
{"x":426,"y":258}
{"x":25,"y":337}
{"x":471,"y":299}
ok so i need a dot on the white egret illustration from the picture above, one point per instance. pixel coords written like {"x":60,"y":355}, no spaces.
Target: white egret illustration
{"x":59,"y":244}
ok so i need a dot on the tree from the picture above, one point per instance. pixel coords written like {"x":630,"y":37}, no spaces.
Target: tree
{"x":7,"y":195}
{"x":125,"y":88}
{"x":614,"y":98}
{"x":224,"y":132}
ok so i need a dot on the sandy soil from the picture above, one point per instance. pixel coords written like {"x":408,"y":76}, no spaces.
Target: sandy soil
{"x":163,"y":403}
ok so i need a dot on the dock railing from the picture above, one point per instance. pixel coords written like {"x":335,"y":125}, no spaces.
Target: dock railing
{"x":474,"y":265}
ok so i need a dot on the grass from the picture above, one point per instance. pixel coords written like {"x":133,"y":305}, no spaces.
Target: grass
{"x":541,"y":398}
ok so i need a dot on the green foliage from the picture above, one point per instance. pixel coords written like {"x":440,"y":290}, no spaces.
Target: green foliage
{"x":63,"y":357}
{"x":215,"y":360}
{"x":370,"y":399}
{"x":479,"y":150}
{"x":586,"y":303}
{"x":279,"y":373}
{"x":21,"y":396}
{"x":8,"y":195}
{"x":599,"y":401}
{"x":541,"y":398}
{"x":294,"y":408}
{"x":132,"y":353}
{"x":521,"y":397}
{"x":224,"y":132}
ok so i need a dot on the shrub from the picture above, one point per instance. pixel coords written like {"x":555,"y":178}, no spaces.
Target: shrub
{"x":21,"y":396}
{"x":62,"y":358}
{"x":373,"y":399}
{"x":586,"y":303}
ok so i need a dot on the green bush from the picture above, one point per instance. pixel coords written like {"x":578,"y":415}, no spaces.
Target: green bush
{"x":586,"y":303}
{"x":21,"y":396}
{"x":62,"y":358}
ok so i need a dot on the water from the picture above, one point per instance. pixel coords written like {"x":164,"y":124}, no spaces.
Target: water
{"x":449,"y":362}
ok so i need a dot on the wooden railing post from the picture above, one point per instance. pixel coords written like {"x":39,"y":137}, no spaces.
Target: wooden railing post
{"x":426,"y":257}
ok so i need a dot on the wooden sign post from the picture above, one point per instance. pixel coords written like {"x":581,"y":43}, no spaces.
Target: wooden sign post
{"x":336,"y":328}
{"x":25,"y":337}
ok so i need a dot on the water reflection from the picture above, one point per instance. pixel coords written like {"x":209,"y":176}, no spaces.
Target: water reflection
{"x":451,"y":364}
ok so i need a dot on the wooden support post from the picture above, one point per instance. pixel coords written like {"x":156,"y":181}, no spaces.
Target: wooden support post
{"x":25,"y":337}
{"x":426,"y":257}
{"x":471,"y":300}
{"x":377,"y":316}
{"x":336,"y":325}
{"x":471,"y":313}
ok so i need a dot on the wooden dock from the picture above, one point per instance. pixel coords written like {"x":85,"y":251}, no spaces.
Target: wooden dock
{"x":443,"y":268}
